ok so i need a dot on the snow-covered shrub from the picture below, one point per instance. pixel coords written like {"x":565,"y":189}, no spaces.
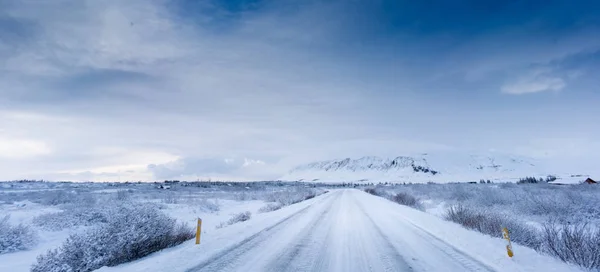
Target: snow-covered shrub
{"x":7,"y":198}
{"x":406,"y":199}
{"x":492,"y":223}
{"x":461,"y":193}
{"x":170,"y":198}
{"x":270,"y":207}
{"x":289,"y":197}
{"x":58,"y":197}
{"x":210,"y":206}
{"x":129,"y":234}
{"x":122,"y":195}
{"x":240,"y":217}
{"x":577,"y":244}
{"x":375,"y":192}
{"x":549,"y":205}
{"x":76,"y":216}
{"x":245,"y":196}
{"x":15,"y":238}
{"x":535,"y":202}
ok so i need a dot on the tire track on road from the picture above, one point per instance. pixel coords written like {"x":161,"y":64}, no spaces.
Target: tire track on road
{"x":461,"y":257}
{"x":226,"y":259}
{"x":300,"y":255}
{"x":393,"y":259}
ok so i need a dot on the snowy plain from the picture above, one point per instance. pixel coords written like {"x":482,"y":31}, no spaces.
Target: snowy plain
{"x":56,"y":210}
{"x":289,"y":230}
{"x":345,"y":230}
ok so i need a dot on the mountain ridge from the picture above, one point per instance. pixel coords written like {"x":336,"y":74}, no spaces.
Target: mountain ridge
{"x":419,"y":168}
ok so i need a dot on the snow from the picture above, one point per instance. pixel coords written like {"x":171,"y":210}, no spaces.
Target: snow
{"x":439,"y":167}
{"x":568,"y":180}
{"x":25,"y":211}
{"x":22,"y":260}
{"x":190,"y":214}
{"x":345,"y":230}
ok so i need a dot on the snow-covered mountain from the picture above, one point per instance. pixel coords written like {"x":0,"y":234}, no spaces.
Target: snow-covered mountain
{"x":420,"y":168}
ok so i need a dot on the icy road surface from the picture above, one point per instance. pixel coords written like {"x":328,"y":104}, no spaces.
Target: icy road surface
{"x":340,"y":233}
{"x":346,"y":230}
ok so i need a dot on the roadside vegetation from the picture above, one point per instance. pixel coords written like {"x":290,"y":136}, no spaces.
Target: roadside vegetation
{"x":15,"y":237}
{"x":236,"y":218}
{"x":129,"y":233}
{"x":558,"y":220}
{"x":112,"y":223}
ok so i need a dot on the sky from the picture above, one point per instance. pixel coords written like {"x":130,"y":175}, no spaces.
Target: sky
{"x":108,"y":90}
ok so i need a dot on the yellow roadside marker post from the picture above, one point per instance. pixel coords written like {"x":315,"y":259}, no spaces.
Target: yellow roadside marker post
{"x":198,"y":231}
{"x":508,"y":244}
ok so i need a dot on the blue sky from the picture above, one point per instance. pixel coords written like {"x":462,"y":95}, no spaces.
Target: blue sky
{"x":155,"y":89}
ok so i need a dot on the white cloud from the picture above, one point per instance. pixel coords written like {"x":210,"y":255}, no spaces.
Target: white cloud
{"x":114,"y":85}
{"x":22,"y":148}
{"x":539,"y":80}
{"x":250,"y":162}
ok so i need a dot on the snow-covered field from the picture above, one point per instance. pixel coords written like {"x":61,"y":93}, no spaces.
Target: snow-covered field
{"x":345,"y":230}
{"x":278,"y":226}
{"x":558,"y":220}
{"x":528,"y":202}
{"x":53,"y":211}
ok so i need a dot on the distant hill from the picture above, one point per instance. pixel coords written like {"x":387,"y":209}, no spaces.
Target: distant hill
{"x":419,"y":169}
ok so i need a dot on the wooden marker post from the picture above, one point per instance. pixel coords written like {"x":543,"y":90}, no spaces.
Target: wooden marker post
{"x":508,"y":244}
{"x":198,"y":231}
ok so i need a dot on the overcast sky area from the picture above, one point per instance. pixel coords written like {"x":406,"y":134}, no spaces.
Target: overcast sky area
{"x":161,"y":89}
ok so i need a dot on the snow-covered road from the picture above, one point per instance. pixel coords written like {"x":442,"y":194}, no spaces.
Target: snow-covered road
{"x":346,"y":230}
{"x":340,"y":233}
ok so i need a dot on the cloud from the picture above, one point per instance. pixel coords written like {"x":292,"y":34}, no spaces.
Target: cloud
{"x":248,"y":91}
{"x":207,"y":168}
{"x":22,"y":148}
{"x":535,"y":82}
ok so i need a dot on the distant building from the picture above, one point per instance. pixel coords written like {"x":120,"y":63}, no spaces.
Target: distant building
{"x":590,"y":181}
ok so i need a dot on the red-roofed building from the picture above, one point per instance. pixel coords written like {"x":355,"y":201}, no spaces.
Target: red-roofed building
{"x":590,"y":181}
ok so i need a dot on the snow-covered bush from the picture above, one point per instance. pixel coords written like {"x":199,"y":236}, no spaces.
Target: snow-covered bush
{"x":406,"y":199}
{"x":402,"y":197}
{"x":76,"y":216}
{"x":289,"y":197}
{"x":375,"y":192}
{"x":210,"y":206}
{"x":492,"y":224}
{"x":240,"y":217}
{"x":270,"y":207}
{"x":535,"y":202}
{"x":170,"y":198}
{"x":129,"y":234}
{"x":577,"y":244}
{"x":58,"y":197}
{"x":15,"y":238}
{"x":236,"y":218}
{"x":122,"y":195}
{"x":245,"y":196}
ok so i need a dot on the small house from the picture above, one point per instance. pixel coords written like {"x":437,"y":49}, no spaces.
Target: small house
{"x":590,"y":181}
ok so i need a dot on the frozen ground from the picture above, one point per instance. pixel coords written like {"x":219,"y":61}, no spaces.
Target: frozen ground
{"x":27,"y":203}
{"x":534,"y":203}
{"x":345,"y":230}
{"x":557,"y":220}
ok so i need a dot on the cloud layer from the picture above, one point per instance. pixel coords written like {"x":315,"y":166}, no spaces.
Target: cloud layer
{"x":159,"y":89}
